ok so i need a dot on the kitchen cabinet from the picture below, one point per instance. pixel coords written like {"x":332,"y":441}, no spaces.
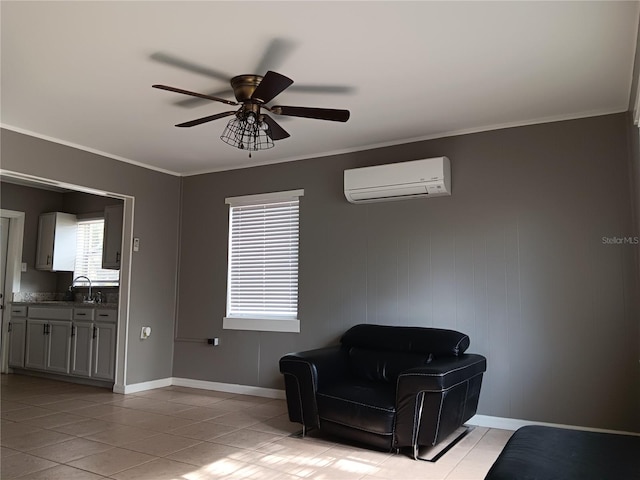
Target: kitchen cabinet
{"x":17,"y":336}
{"x":48,"y":345}
{"x":78,"y":341}
{"x":112,"y":238}
{"x":104,"y":353}
{"x":58,"y":347}
{"x":36,"y":344}
{"x":81,"y":348}
{"x":56,"y":248}
{"x":93,"y":352}
{"x":48,"y":339}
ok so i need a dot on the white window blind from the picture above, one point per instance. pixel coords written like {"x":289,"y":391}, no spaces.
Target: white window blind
{"x":263,"y":261}
{"x":89,"y":255}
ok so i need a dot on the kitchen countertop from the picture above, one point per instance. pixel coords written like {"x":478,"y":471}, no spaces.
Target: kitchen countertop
{"x":62,"y":303}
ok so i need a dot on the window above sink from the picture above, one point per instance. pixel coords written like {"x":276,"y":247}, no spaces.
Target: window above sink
{"x":89,"y":255}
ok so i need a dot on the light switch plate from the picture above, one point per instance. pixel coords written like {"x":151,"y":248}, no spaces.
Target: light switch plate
{"x":23,"y":267}
{"x":136,"y":244}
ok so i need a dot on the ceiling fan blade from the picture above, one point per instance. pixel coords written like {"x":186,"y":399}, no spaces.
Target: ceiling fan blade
{"x":196,"y":102}
{"x":199,"y":121}
{"x":271,"y":85}
{"x":322,"y":88}
{"x":194,"y":94}
{"x":317,"y":113}
{"x":190,"y":66}
{"x":276,"y":131}
{"x":275,"y":54}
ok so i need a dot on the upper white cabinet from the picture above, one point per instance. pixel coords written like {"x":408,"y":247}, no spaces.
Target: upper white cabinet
{"x":56,"y":250}
{"x":112,"y":247}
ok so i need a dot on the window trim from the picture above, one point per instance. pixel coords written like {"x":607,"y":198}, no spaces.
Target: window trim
{"x":261,"y":323}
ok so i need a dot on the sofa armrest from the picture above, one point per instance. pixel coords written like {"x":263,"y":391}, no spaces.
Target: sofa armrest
{"x":304,"y":373}
{"x":442,"y":373}
{"x":447,"y":386}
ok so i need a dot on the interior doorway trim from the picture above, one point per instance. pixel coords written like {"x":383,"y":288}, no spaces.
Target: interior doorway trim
{"x":125,"y":264}
{"x":13,"y":271}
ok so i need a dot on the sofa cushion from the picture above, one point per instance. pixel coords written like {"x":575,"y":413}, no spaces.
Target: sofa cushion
{"x":368,"y":406}
{"x":380,"y":365}
{"x":436,"y":341}
{"x":540,"y":452}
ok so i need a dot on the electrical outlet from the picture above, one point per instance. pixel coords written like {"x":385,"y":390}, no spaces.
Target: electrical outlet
{"x":213,"y":341}
{"x":136,"y":244}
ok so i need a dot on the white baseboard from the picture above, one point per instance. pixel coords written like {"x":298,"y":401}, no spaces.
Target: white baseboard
{"x":230,"y":388}
{"x":503,"y":423}
{"x":143,"y":386}
{"x":201,"y":384}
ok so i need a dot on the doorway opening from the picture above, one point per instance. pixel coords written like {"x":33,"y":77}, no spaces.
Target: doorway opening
{"x":14,"y":262}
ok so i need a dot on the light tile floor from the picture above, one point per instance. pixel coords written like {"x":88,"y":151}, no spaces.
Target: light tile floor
{"x":57,"y":430}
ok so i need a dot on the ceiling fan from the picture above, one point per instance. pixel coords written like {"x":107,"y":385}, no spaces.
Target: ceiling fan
{"x":252,"y":129}
{"x":274,"y":55}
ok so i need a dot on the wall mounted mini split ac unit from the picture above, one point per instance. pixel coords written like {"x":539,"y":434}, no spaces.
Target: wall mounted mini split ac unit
{"x":430,"y":177}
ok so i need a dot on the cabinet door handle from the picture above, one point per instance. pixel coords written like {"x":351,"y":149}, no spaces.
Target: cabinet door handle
{"x":80,"y":314}
{"x":45,"y":330}
{"x":9,"y":328}
{"x":117,"y":257}
{"x":73,"y":330}
{"x":95,"y":331}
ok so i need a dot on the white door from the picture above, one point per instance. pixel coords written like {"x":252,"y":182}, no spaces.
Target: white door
{"x":4,"y":242}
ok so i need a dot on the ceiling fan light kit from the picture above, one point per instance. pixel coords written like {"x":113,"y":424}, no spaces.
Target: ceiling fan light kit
{"x":250,"y":129}
{"x":247,"y":134}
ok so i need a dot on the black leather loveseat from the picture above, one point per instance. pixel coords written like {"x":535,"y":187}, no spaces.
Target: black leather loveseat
{"x":385,"y":386}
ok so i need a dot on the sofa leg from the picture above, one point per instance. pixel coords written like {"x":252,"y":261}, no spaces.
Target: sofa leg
{"x":432,"y":454}
{"x":416,"y":451}
{"x":302,"y":433}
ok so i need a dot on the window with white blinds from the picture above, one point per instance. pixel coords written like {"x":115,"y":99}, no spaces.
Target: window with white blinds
{"x":262,"y":283}
{"x":89,"y":255}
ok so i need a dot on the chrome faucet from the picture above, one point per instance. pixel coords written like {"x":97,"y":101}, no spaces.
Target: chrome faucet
{"x":89,"y":298}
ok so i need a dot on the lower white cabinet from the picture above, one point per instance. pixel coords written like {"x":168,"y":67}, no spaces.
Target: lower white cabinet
{"x":17,"y":335}
{"x":104,"y":351}
{"x":93,"y":351}
{"x":81,"y":348}
{"x":48,"y":345}
{"x":71,"y":341}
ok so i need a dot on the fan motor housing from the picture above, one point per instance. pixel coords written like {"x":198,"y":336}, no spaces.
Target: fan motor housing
{"x":244,"y":86}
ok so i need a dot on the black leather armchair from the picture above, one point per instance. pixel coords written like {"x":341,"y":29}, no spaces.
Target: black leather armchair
{"x":385,"y":386}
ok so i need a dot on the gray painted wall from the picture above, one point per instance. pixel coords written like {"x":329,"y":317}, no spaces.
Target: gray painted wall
{"x":32,"y":202}
{"x":156,"y":220}
{"x":634,"y":173}
{"x":514,"y":258}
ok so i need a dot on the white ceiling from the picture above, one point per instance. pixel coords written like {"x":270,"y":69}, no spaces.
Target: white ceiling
{"x":80,"y":73}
